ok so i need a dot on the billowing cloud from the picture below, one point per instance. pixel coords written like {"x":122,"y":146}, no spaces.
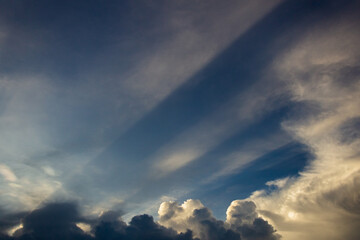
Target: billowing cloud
{"x":191,"y":220}
{"x":62,"y":221}
{"x":242,"y":221}
{"x":243,"y":217}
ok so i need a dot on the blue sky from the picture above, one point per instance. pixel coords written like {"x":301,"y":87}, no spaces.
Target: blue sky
{"x":188,"y":105}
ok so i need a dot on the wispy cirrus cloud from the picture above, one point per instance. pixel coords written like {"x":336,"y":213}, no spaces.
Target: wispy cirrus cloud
{"x":6,"y":172}
{"x":69,"y":90}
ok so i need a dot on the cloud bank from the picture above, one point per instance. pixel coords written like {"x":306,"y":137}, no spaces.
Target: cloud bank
{"x":242,"y":221}
{"x":64,"y":221}
{"x":189,"y":221}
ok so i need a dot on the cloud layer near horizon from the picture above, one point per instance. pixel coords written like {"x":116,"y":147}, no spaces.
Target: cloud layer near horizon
{"x":189,"y":221}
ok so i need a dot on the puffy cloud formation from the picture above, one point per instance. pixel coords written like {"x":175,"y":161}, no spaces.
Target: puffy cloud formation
{"x":140,"y":227}
{"x":61,"y":221}
{"x":189,"y":221}
{"x":240,"y":212}
{"x":243,"y":218}
{"x":242,"y":221}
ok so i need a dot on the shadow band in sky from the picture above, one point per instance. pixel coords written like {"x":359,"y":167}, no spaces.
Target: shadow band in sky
{"x":230,"y":73}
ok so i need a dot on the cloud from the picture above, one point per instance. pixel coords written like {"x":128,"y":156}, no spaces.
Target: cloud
{"x":240,"y":212}
{"x":228,"y":119}
{"x":144,"y":227}
{"x":9,"y":221}
{"x":251,"y":150}
{"x":62,"y":221}
{"x":242,"y":221}
{"x":53,"y":220}
{"x":6,"y":172}
{"x":320,"y":70}
{"x":69,"y":88}
{"x":243,"y":217}
{"x":191,"y":45}
{"x":279,"y":183}
{"x":41,"y":116}
{"x":189,"y":221}
{"x":194,"y":216}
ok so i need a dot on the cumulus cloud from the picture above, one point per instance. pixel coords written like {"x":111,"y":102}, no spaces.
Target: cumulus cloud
{"x":240,"y":212}
{"x":243,"y":217}
{"x":62,"y":221}
{"x":242,"y":221}
{"x":189,"y":221}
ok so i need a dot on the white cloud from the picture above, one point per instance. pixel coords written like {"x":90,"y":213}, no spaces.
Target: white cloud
{"x":46,"y":115}
{"x":6,"y":172}
{"x":250,"y":151}
{"x":279,"y":183}
{"x":228,"y":119}
{"x":241,"y":212}
{"x":49,"y":171}
{"x":84,"y":226}
{"x":199,"y":37}
{"x":181,"y":217}
{"x":14,"y":229}
{"x":242,"y":221}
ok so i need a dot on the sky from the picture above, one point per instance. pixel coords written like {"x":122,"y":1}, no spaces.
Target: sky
{"x":180,"y":120}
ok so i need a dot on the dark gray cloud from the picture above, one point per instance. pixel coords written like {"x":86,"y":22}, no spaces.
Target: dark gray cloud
{"x":53,"y":221}
{"x":140,"y":227}
{"x":61,"y":221}
{"x":258,"y":230}
{"x":211,"y":228}
{"x":8,"y":220}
